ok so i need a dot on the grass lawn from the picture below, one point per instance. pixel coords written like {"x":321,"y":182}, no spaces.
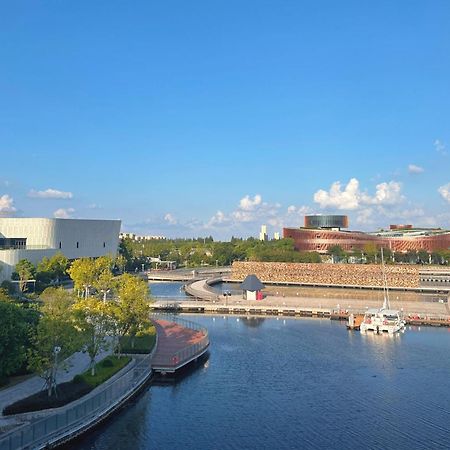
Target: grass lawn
{"x":143,"y":342}
{"x":104,"y":370}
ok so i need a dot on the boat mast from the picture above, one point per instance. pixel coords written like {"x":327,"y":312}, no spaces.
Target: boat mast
{"x":386,"y":302}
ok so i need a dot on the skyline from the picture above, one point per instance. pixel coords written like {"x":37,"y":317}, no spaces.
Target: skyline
{"x":208,"y":119}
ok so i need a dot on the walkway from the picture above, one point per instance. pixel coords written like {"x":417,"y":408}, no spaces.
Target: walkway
{"x":77,"y":363}
{"x":177,"y":345}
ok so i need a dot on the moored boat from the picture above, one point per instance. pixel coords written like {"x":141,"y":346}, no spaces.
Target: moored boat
{"x":384,"y":319}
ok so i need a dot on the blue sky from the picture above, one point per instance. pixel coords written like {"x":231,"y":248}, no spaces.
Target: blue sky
{"x":212,"y":117}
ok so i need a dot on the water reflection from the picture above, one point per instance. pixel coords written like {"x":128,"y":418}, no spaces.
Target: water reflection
{"x":253,"y":322}
{"x":303,"y":383}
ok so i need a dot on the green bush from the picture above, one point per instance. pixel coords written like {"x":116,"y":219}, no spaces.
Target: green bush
{"x":104,"y":370}
{"x":143,"y":342}
{"x":107,"y":363}
{"x":67,"y":392}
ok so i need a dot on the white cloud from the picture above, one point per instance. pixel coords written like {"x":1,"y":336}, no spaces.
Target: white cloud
{"x":386,"y":194}
{"x":170,"y":219}
{"x":412,"y":168}
{"x":50,"y":193}
{"x":445,"y":192}
{"x":7,"y":204}
{"x":352,"y":198}
{"x":338,"y":198}
{"x":249,"y":204}
{"x":63,"y":213}
{"x":440,"y":147}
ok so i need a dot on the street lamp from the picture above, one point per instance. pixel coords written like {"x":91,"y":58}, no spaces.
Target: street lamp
{"x":56,"y":351}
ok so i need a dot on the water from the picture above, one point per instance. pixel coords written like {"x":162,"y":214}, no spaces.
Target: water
{"x":167,"y":290}
{"x":296,"y":383}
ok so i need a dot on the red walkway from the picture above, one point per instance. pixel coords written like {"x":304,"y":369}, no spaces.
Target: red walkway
{"x":177,"y":345}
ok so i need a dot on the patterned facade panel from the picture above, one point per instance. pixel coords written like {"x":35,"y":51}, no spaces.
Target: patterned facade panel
{"x":322,"y":240}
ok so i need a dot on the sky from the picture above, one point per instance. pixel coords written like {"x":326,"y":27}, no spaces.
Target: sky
{"x":214,"y":117}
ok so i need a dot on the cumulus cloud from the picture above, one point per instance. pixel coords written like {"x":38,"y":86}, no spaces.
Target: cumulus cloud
{"x":170,"y":219}
{"x":7,"y":205}
{"x":440,"y":147}
{"x":50,"y":193}
{"x":351,"y":197}
{"x":64,"y":213}
{"x":250,"y":204}
{"x":412,"y":168}
{"x":445,"y":192}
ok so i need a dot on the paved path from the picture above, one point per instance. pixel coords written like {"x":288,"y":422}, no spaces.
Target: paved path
{"x":78,"y":363}
{"x":375,"y":300}
{"x":172,"y":338}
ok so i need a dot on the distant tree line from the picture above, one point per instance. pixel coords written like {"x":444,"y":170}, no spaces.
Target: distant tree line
{"x":372,"y":254}
{"x":204,"y":251}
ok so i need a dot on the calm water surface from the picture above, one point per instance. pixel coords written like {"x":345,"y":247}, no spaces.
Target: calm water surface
{"x":167,"y":290}
{"x":296,"y":383}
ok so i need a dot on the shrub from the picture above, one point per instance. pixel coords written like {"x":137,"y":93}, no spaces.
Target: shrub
{"x":67,"y":392}
{"x":107,"y":363}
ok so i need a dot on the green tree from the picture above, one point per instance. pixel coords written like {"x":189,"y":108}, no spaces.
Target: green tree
{"x":25,"y":271}
{"x":337,"y":252}
{"x":132,"y":306}
{"x":103,"y":276}
{"x":52,"y":269}
{"x":82,"y":272}
{"x":56,"y":337}
{"x":94,"y":319}
{"x":13,"y":337}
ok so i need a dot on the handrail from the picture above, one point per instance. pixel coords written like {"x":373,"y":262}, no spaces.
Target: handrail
{"x":82,"y":412}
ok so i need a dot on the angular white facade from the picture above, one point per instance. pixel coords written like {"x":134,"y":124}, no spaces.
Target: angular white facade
{"x":75,"y":238}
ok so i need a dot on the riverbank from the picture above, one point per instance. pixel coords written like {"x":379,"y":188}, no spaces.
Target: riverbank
{"x":59,"y":425}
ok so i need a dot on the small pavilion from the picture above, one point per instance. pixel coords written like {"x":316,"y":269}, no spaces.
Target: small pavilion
{"x":252,"y":287}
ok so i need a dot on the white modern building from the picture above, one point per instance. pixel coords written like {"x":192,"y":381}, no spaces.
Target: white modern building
{"x":263,"y":236}
{"x":34,"y":238}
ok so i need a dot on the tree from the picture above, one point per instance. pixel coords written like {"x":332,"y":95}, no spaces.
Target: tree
{"x":103,"y":276}
{"x":13,"y":337}
{"x":52,"y":269}
{"x":94,"y":319}
{"x":337,"y":253}
{"x":132,"y":307}
{"x":120,"y":262}
{"x":56,"y":337}
{"x":82,"y":272}
{"x":25,"y":271}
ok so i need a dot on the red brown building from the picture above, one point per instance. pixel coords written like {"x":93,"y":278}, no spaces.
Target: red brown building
{"x":400,"y":238}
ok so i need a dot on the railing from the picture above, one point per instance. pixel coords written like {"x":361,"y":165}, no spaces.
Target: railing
{"x":71,"y":418}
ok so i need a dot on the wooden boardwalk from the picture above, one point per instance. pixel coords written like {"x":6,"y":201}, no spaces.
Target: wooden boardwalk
{"x":178,"y":345}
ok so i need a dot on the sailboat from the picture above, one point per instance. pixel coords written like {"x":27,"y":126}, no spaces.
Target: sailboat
{"x":384,"y":319}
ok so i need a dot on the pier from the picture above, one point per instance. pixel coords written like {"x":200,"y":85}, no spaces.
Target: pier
{"x":179,"y":343}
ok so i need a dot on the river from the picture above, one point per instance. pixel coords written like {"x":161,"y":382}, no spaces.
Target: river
{"x":295,"y":383}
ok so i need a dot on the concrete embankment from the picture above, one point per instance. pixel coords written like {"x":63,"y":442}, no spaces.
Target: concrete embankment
{"x":424,"y":308}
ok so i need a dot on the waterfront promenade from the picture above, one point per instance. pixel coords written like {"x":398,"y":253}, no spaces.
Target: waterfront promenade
{"x":324,"y":305}
{"x":178,"y":343}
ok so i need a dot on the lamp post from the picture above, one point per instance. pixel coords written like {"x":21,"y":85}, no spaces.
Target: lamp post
{"x":56,"y":351}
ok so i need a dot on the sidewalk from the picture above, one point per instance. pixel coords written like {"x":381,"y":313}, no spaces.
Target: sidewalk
{"x":77,"y":363}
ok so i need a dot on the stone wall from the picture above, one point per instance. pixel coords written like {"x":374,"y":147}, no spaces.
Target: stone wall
{"x":329,"y":274}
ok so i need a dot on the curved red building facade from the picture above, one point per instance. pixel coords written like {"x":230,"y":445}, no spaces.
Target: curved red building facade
{"x":398,"y":240}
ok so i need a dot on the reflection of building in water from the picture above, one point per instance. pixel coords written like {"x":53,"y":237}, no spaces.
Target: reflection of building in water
{"x":253,"y":322}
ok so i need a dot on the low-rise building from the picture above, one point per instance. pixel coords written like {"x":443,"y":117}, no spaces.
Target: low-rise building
{"x":35,"y":238}
{"x":320,"y":233}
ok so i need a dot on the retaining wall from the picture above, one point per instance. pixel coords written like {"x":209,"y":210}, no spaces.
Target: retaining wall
{"x":400,"y":276}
